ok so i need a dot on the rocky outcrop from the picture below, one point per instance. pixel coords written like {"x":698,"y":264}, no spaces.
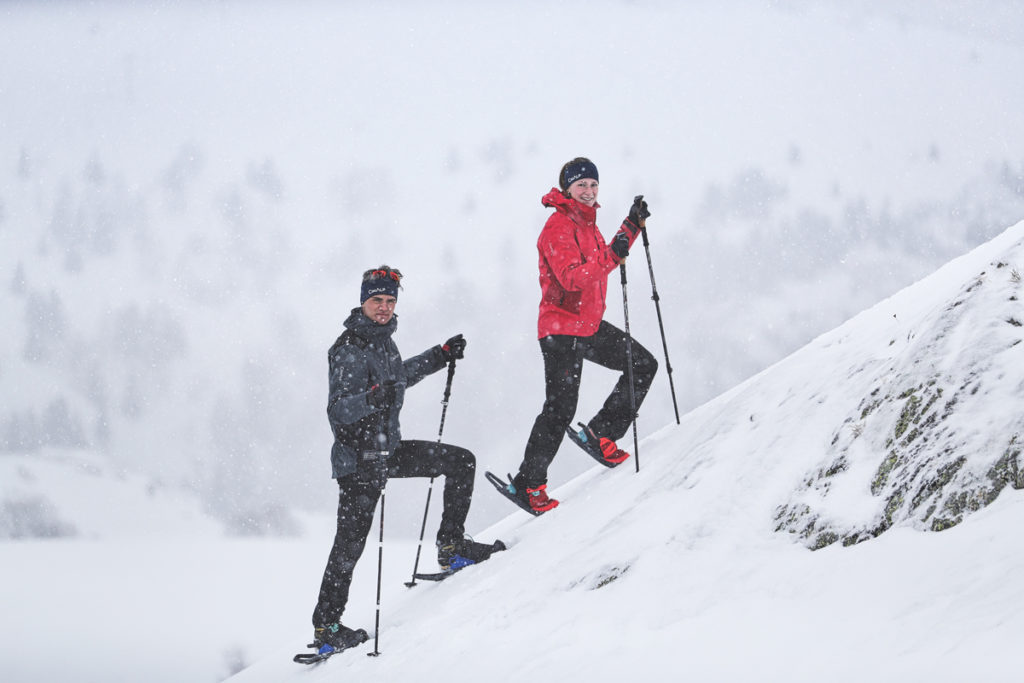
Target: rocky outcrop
{"x":940,"y":434}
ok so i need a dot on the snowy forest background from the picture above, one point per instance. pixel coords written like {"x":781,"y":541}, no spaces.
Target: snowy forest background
{"x":189,"y":192}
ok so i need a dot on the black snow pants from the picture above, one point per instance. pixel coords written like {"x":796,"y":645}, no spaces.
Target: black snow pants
{"x":563,"y":364}
{"x":357,"y":500}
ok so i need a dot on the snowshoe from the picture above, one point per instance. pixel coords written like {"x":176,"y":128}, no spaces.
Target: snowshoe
{"x":600,"y":449}
{"x":329,"y":641}
{"x":463,"y":552}
{"x":535,"y":501}
{"x":457,"y":555}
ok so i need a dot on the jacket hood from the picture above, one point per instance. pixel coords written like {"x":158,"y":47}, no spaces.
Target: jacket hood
{"x":556,"y":199}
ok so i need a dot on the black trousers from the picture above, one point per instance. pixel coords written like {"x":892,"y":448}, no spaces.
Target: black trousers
{"x":357,"y":500}
{"x":563,"y":365}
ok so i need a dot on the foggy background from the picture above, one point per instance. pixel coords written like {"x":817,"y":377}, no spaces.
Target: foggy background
{"x":189,"y":192}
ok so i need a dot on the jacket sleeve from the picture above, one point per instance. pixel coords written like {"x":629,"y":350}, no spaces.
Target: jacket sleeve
{"x":349,"y":380}
{"x":557,"y":244}
{"x":427,"y":363}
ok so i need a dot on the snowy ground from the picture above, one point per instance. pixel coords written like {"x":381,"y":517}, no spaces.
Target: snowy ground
{"x":725,"y":607}
{"x":670,"y":573}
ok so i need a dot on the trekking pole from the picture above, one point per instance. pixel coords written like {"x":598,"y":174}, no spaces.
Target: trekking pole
{"x":380,"y":565}
{"x":430,"y":487}
{"x":661,"y":325}
{"x":629,"y":364}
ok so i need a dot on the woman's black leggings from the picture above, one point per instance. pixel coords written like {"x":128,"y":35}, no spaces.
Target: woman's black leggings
{"x":563,"y":364}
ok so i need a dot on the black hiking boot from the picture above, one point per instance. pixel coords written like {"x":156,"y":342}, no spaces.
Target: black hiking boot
{"x":337,"y":637}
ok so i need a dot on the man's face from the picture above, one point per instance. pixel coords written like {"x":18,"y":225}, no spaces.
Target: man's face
{"x":380,"y":308}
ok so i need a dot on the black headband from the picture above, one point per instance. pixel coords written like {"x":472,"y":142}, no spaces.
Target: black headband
{"x":579,"y":169}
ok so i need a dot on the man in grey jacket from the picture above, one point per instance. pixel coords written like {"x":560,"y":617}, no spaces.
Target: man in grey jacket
{"x":368,"y":380}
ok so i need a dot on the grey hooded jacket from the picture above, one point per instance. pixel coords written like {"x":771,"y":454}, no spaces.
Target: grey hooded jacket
{"x":362,"y":357}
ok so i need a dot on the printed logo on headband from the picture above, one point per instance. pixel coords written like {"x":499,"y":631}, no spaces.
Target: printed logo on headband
{"x":578,"y":171}
{"x":379,"y":282}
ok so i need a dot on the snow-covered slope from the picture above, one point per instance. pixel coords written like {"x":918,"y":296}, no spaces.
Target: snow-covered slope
{"x":676,"y":571}
{"x":928,"y":416}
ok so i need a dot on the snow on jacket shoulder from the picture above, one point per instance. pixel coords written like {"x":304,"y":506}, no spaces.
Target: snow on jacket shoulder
{"x":574,"y":263}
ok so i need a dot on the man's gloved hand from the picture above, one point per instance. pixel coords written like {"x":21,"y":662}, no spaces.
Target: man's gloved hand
{"x":383,"y":395}
{"x":638,"y":213}
{"x":454,"y":348}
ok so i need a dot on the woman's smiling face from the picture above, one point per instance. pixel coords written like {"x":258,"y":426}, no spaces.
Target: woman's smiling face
{"x":584,"y":191}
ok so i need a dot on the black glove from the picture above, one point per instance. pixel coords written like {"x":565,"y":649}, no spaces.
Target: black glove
{"x":620,"y":244}
{"x":383,"y":395}
{"x":454,"y":348}
{"x":638,"y":213}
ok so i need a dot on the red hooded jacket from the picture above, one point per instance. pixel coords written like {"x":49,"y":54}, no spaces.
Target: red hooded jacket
{"x":574,"y":266}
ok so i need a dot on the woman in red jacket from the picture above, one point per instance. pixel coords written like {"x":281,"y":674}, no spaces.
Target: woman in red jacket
{"x":575,"y":262}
